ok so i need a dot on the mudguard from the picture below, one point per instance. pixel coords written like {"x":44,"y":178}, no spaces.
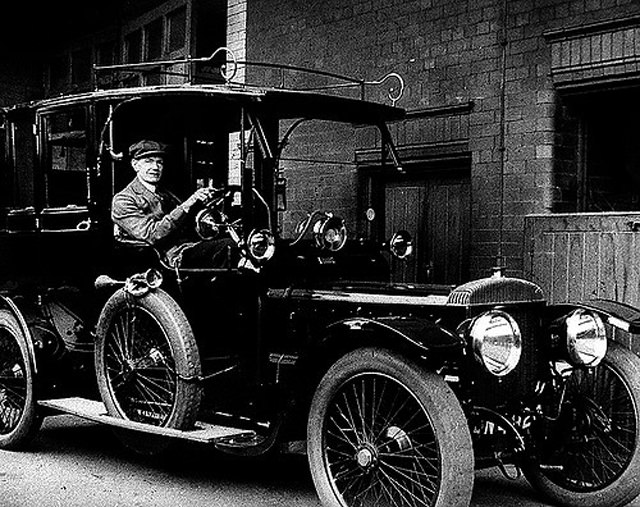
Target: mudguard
{"x":7,"y":303}
{"x":424,"y":334}
{"x":620,"y":315}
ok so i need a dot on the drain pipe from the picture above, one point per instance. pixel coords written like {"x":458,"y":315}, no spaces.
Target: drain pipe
{"x":503,"y":42}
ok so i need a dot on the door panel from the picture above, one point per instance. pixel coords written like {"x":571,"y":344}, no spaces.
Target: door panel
{"x":402,"y":204}
{"x":436,"y":211}
{"x":449,"y":217}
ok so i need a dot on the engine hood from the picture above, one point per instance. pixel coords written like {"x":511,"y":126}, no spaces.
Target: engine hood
{"x":486,"y":291}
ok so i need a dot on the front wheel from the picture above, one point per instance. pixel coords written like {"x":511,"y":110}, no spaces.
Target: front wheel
{"x":147,"y":364}
{"x":591,"y":454}
{"x":383,"y":431}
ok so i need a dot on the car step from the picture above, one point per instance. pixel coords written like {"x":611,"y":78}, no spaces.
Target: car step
{"x":96,"y":411}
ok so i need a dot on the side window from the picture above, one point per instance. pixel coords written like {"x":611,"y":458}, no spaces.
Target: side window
{"x":20,"y":158}
{"x":65,"y":158}
{"x":5,"y":166}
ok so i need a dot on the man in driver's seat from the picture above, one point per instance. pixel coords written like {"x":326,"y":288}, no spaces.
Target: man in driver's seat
{"x":145,"y":211}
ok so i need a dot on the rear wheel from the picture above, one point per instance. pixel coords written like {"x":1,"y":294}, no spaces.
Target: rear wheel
{"x":147,"y":364}
{"x":382,"y":431}
{"x":591,"y":454}
{"x":19,"y":420}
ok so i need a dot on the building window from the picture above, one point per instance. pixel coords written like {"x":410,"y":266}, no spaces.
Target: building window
{"x":106,"y":53}
{"x":133,"y":47}
{"x":177,"y":29}
{"x":58,"y":73}
{"x":133,"y":54}
{"x":81,"y":67}
{"x":153,"y":41}
{"x":598,"y":155}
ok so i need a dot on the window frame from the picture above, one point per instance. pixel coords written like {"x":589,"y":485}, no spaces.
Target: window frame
{"x":43,"y":120}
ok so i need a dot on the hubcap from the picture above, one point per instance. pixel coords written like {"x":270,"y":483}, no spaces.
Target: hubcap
{"x":367,"y":457}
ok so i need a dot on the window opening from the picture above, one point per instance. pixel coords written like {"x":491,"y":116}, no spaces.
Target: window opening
{"x":177,"y":29}
{"x":81,"y":67}
{"x":65,"y":152}
{"x":21,"y":159}
{"x":153,"y":41}
{"x":597,"y":155}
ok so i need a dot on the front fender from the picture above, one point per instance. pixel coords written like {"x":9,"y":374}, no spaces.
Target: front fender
{"x":8,"y":304}
{"x":620,"y":315}
{"x":422,"y":334}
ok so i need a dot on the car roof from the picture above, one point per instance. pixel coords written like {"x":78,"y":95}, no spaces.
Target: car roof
{"x":280,"y":102}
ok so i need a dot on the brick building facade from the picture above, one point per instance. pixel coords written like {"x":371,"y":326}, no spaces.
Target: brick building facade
{"x":502,"y":97}
{"x":514,"y":107}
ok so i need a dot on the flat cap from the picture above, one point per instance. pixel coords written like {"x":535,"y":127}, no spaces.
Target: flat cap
{"x":146,"y":148}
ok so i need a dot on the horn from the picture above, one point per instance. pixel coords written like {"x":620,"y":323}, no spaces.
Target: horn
{"x":104,"y":281}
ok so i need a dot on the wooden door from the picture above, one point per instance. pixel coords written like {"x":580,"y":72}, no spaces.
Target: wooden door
{"x":436,"y":211}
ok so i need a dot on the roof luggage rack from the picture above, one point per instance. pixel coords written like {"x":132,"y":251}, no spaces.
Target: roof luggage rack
{"x":227,"y":65}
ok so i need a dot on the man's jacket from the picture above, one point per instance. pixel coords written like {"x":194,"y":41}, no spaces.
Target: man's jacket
{"x":153,"y":217}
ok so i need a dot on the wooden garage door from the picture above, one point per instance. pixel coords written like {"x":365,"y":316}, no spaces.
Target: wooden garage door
{"x":436,"y":211}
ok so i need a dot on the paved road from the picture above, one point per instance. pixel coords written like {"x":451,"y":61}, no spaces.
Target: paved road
{"x":79,"y":464}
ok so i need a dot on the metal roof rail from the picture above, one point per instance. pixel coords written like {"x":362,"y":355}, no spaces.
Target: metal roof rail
{"x":229,"y":69}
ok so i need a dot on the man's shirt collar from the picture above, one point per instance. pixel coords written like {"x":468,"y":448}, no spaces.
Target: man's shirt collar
{"x":151,"y":188}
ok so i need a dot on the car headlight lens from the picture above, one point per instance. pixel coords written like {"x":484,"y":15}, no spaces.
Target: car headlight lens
{"x":496,"y":342}
{"x":586,"y":338}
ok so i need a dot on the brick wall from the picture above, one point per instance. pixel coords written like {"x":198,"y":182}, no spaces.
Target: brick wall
{"x":237,"y":32}
{"x":450,"y":53}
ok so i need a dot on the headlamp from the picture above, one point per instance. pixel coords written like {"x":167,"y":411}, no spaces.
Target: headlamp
{"x":586,"y":338}
{"x":496,"y":342}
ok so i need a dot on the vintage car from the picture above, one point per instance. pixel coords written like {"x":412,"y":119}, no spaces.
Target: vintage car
{"x":397,"y":392}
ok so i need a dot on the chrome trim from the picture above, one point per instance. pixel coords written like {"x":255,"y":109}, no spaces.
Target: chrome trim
{"x":366,"y":298}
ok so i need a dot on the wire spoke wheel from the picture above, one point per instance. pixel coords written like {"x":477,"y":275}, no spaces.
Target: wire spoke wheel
{"x":13,"y":383}
{"x":591,"y":454}
{"x":380,"y":444}
{"x":19,"y":420}
{"x":140,"y":367}
{"x":384,"y":432}
{"x":147,"y":361}
{"x":601,"y":428}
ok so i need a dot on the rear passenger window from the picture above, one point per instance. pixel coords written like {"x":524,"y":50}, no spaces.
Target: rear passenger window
{"x":65,"y":158}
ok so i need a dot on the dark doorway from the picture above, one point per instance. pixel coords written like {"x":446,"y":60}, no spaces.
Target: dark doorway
{"x":435,"y":207}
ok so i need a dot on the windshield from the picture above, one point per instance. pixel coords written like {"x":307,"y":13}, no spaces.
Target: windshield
{"x":322,"y":162}
{"x":228,"y":141}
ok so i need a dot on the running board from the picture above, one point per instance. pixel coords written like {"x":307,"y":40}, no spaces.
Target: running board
{"x":95,"y":411}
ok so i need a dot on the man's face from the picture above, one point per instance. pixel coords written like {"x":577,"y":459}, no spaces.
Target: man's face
{"x":149,"y":169}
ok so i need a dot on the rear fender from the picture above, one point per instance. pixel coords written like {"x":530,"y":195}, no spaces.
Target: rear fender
{"x":619,"y":315}
{"x":8,"y":304}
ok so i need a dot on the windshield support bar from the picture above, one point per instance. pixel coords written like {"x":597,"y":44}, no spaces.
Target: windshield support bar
{"x":387,"y":142}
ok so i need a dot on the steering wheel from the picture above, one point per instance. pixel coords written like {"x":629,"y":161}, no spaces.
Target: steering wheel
{"x":211,"y":221}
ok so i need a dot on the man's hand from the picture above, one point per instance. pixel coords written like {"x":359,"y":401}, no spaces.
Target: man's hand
{"x":204,"y":194}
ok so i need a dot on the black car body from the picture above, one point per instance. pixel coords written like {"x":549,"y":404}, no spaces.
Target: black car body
{"x":395,"y":391}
